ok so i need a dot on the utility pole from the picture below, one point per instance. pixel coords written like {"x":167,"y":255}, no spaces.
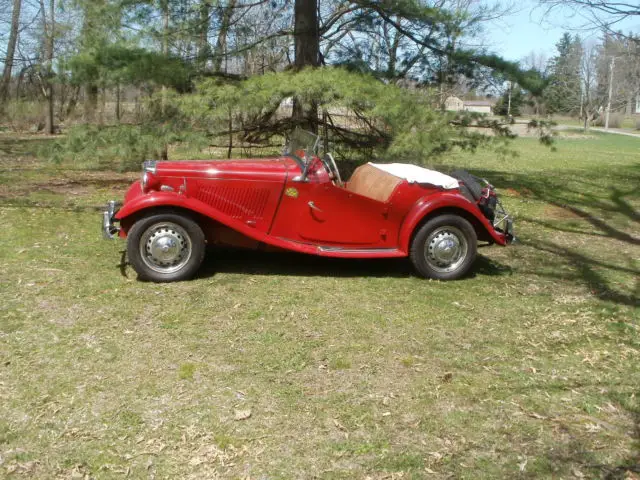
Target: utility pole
{"x":611,"y":65}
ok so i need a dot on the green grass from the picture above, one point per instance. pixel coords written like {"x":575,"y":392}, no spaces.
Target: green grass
{"x":350,"y":369}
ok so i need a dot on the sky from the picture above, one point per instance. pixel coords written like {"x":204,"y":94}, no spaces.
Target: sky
{"x":528,"y":29}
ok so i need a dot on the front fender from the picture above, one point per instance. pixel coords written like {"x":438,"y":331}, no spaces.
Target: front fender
{"x":160,"y":199}
{"x":449,"y":202}
{"x":156,"y":199}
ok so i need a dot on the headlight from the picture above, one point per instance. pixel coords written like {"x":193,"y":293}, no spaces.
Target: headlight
{"x":145,"y":181}
{"x":148,"y":180}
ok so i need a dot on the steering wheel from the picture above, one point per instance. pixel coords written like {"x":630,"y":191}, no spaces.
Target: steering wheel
{"x":332,"y":168}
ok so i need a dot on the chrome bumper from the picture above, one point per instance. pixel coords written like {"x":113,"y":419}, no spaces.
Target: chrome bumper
{"x":508,"y":230}
{"x":503,"y":223}
{"x":109,"y":229}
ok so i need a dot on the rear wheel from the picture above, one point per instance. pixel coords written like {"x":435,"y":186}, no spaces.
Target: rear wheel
{"x":444,"y":248}
{"x":165,"y":247}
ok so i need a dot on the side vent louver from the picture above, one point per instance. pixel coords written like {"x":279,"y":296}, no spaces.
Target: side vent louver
{"x":235,"y":202}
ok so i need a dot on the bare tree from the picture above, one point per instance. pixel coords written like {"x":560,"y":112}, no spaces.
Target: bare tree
{"x":223,"y":33}
{"x":624,"y":54}
{"x":11,"y":49}
{"x":591,"y":103}
{"x":598,"y":14}
{"x":49,"y":30}
{"x":202,"y":46}
{"x":537,"y":61}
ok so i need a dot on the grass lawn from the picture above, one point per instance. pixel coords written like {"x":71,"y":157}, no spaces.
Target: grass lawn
{"x":285,"y":366}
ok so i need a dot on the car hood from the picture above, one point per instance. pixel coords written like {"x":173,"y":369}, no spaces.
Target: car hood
{"x":263,"y":168}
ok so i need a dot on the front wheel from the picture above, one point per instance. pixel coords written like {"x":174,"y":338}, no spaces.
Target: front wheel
{"x":444,"y":248}
{"x":165,"y":247}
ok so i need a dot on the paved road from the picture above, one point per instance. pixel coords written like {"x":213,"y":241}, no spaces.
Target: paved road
{"x":599,"y":129}
{"x":616,"y":131}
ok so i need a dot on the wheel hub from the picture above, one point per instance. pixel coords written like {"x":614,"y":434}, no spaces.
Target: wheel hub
{"x":165,"y":247}
{"x":445,"y":249}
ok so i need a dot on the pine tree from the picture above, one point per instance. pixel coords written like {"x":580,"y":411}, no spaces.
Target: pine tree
{"x":564,"y":91}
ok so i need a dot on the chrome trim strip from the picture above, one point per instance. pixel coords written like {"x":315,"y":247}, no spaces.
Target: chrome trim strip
{"x":357,"y":250}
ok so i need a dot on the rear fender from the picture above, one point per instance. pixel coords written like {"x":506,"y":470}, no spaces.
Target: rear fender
{"x":448,"y":202}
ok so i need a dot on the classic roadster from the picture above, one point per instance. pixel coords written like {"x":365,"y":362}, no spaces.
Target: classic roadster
{"x":299,"y":202}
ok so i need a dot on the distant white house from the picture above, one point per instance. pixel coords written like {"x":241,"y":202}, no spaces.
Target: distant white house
{"x":480,"y":106}
{"x":454,"y":104}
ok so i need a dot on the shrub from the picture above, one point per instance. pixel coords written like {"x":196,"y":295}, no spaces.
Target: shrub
{"x":24,"y":115}
{"x":615,"y":120}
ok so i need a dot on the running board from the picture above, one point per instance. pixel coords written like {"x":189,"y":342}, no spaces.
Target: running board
{"x":363,"y":250}
{"x":337,"y":252}
{"x":360,"y":252}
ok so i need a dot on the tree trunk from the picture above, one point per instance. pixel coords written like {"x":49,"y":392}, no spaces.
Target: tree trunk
{"x":91,"y":31}
{"x":230,"y":150}
{"x":20,"y":81}
{"x":164,"y":153}
{"x":49,"y":31}
{"x":103,"y":106}
{"x":203,"y":34}
{"x":306,"y":34}
{"x":91,"y":102}
{"x":307,"y":46}
{"x":73,"y":100}
{"x":221,"y":42}
{"x":11,"y":48}
{"x":165,"y":46}
{"x":118,"y":102}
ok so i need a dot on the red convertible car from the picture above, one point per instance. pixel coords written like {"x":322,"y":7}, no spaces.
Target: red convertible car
{"x":298,"y":202}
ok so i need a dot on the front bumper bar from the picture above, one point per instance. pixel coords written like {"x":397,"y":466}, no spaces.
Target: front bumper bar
{"x":109,"y":229}
{"x":508,"y":230}
{"x":502,"y":221}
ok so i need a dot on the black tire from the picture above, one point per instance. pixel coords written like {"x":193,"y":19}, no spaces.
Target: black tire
{"x":165,"y":247}
{"x":444,"y":248}
{"x":470,"y":187}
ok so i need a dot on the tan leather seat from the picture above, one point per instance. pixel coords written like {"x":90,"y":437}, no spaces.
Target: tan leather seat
{"x":372,"y":182}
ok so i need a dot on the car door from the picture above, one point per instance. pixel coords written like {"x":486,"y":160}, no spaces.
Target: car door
{"x":332,"y":215}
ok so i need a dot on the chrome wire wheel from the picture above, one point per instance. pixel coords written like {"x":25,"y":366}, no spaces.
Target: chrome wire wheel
{"x":445,"y":249}
{"x":165,"y":247}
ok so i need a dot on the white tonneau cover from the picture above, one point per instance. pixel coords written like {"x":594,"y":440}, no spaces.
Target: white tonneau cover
{"x":416,"y":174}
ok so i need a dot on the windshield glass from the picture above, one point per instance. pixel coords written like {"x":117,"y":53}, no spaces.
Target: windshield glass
{"x":302,"y":144}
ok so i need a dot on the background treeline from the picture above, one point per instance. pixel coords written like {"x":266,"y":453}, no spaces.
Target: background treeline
{"x":139,"y":75}
{"x":583,"y":79}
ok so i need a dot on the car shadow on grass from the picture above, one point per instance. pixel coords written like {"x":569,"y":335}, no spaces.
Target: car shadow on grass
{"x":255,"y":262}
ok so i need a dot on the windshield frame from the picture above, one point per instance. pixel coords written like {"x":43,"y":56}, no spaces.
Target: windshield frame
{"x":302,"y":140}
